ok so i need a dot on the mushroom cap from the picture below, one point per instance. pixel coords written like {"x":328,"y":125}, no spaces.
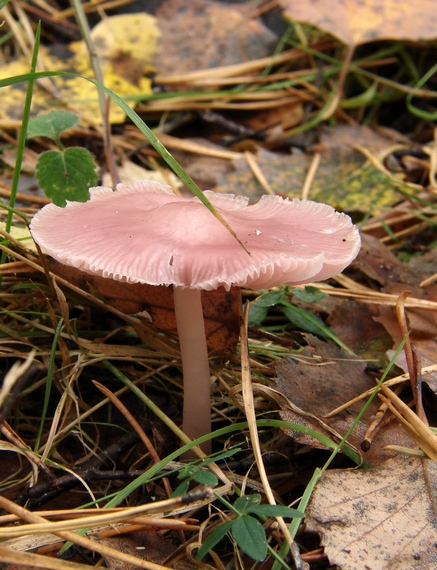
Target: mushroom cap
{"x":144,"y":233}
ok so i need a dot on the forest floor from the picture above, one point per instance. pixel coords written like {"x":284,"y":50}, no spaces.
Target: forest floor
{"x":322,"y":394}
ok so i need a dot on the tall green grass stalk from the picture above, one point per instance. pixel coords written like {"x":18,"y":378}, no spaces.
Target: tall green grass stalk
{"x":23,"y":133}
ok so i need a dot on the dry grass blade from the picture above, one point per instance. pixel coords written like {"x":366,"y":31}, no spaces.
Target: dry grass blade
{"x":90,"y":7}
{"x":23,"y":448}
{"x":429,"y":281}
{"x":392,"y":382}
{"x":13,"y":375}
{"x":77,"y":514}
{"x":249,"y":408}
{"x":253,"y":66}
{"x":152,"y":340}
{"x":197,"y":148}
{"x":253,"y":165}
{"x":78,"y":539}
{"x":136,"y":426}
{"x":21,"y":196}
{"x":310,"y":175}
{"x":424,"y":437}
{"x":30,"y":560}
{"x":246,"y":102}
{"x":365,"y":295}
{"x":102,"y":517}
{"x":409,"y":354}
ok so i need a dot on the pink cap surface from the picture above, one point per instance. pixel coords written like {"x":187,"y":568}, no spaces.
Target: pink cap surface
{"x":145,"y":233}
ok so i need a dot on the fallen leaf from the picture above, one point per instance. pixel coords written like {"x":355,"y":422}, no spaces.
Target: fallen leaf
{"x":344,"y":178}
{"x":353,"y":322}
{"x":125,"y":44}
{"x":147,"y":546}
{"x":202,"y":34}
{"x":221,"y":308}
{"x":377,"y":262}
{"x":382,"y":518}
{"x":355,"y":22}
{"x":322,"y":378}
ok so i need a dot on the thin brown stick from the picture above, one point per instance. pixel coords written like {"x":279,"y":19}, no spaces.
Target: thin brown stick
{"x":409,"y":353}
{"x":136,"y":426}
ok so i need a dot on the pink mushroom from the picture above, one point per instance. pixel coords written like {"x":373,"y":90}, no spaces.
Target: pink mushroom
{"x":144,"y":233}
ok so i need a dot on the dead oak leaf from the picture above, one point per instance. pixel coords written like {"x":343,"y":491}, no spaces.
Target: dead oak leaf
{"x":382,"y":518}
{"x":356,"y":22}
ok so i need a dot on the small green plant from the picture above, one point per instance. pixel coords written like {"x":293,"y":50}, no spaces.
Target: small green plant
{"x":196,"y":471}
{"x":66,"y":173}
{"x":300,"y":318}
{"x":246,"y":528}
{"x":193,"y":473}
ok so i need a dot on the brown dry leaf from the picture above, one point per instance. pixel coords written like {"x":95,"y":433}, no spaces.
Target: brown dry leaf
{"x":380,"y":519}
{"x":221,"y":308}
{"x":356,"y":21}
{"x":205,"y":169}
{"x":380,"y":264}
{"x":344,"y":178}
{"x":321,"y":379}
{"x":148,"y":546}
{"x":202,"y":34}
{"x":148,"y":550}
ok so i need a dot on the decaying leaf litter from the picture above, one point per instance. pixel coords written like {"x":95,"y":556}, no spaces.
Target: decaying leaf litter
{"x":251,"y":103}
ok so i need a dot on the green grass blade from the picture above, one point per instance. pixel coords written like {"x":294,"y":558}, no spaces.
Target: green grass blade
{"x":143,"y":128}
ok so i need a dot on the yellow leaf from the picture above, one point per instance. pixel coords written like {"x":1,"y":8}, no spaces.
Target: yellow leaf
{"x":356,"y":22}
{"x":125,"y":45}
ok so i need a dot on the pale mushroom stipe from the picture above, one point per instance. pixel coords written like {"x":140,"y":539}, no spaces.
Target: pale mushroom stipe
{"x":144,"y":233}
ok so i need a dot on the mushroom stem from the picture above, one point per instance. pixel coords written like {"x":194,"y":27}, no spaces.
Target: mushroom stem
{"x":195,"y":365}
